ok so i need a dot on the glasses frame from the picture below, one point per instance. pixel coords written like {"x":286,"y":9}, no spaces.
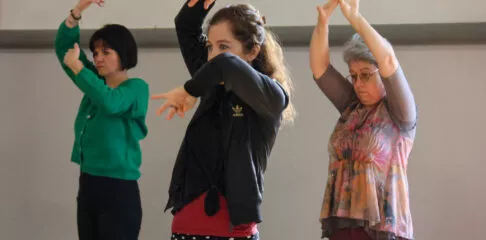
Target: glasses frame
{"x":364,"y":77}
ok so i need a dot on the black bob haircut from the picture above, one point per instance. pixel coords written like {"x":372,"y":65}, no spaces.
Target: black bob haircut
{"x":121,"y":40}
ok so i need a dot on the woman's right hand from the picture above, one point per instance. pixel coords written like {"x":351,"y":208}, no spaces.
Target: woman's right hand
{"x":325,"y":11}
{"x":84,"y":4}
{"x":349,"y":8}
{"x":77,"y":11}
{"x":207,"y":3}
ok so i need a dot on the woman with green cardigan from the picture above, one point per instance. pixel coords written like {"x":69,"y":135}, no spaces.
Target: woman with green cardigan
{"x":111,"y":121}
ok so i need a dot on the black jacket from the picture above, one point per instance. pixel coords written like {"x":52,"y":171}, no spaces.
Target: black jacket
{"x":232,"y":132}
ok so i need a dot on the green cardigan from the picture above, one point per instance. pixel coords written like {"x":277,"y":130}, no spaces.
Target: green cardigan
{"x":110,"y":121}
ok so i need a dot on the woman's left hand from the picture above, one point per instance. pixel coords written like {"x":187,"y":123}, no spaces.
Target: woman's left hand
{"x":71,"y":59}
{"x":349,"y":8}
{"x":178,"y":100}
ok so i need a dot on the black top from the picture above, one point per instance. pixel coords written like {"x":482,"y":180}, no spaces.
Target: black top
{"x":232,"y":132}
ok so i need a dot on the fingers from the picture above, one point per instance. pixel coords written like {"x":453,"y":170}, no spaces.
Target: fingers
{"x":344,"y":5}
{"x":334,"y":4}
{"x":192,"y":3}
{"x":320,"y":10}
{"x":75,"y":50}
{"x":159,"y":96}
{"x":185,"y":108}
{"x":331,"y":4}
{"x":175,"y":110}
{"x":176,"y":101}
{"x":100,"y":3}
{"x":327,"y":8}
{"x":68,"y":54}
{"x":163,"y":108}
{"x":208,"y":3}
{"x":172,"y":111}
{"x":181,"y":113}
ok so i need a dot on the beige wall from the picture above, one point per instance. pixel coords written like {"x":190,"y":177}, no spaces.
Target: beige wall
{"x":38,"y":183}
{"x":46,"y":14}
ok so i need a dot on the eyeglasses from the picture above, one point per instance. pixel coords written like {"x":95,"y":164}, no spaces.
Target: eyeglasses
{"x":363,"y":76}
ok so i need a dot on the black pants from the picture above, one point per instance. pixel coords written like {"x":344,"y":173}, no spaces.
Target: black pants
{"x":108,"y":209}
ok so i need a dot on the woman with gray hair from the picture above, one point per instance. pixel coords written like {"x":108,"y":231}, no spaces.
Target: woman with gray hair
{"x":366,"y":196}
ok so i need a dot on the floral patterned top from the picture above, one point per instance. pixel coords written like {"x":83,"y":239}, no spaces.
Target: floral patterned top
{"x":369,"y":149}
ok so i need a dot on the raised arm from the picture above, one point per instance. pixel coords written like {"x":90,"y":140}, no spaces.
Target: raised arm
{"x":192,"y":41}
{"x":339,"y":91}
{"x":68,"y":34}
{"x":260,"y":92}
{"x":319,"y":45}
{"x":399,"y":95}
{"x":379,"y":47}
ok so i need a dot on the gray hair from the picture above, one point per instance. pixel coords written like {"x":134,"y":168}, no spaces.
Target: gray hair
{"x":356,"y":50}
